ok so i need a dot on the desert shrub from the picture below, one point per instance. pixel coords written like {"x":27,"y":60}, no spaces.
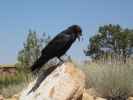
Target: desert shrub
{"x":111,"y":80}
{"x":10,"y":85}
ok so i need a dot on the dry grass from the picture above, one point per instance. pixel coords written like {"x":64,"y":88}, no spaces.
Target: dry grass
{"x":10,"y":85}
{"x":111,"y":80}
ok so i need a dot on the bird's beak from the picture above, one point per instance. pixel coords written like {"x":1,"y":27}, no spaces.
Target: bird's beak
{"x":79,"y":36}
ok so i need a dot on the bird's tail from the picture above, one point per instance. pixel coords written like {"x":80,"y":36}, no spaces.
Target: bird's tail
{"x":42,"y":77}
{"x":39,"y":63}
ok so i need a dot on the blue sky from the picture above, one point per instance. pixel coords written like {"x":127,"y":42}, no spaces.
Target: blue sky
{"x":53,"y":16}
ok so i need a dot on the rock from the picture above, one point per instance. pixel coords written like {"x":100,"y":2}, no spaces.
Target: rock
{"x":87,"y":96}
{"x":99,"y":98}
{"x":65,"y":83}
{"x":93,"y":92}
{"x":90,"y":94}
{"x":130,"y":98}
{"x":15,"y":97}
{"x":1,"y":97}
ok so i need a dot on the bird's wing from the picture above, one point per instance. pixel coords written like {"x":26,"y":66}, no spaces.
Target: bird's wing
{"x":58,"y":43}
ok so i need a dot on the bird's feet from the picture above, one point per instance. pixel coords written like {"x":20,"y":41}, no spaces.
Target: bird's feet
{"x":61,"y":60}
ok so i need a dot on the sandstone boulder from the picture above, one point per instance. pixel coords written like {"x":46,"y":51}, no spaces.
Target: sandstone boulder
{"x":66,"y":82}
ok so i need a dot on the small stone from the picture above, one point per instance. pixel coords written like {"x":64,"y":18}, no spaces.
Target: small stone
{"x":99,"y":98}
{"x":130,"y":98}
{"x":1,"y":97}
{"x":87,"y":96}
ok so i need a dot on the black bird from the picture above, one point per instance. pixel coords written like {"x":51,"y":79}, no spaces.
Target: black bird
{"x":55,"y":48}
{"x":58,"y":46}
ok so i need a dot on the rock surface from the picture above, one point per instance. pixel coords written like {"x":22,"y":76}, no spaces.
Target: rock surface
{"x":65,"y":83}
{"x":90,"y":94}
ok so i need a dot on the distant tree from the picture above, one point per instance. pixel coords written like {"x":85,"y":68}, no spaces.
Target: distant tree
{"x":32,"y":48}
{"x":111,"y":40}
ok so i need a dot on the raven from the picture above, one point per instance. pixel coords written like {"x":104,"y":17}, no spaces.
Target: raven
{"x":58,"y":46}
